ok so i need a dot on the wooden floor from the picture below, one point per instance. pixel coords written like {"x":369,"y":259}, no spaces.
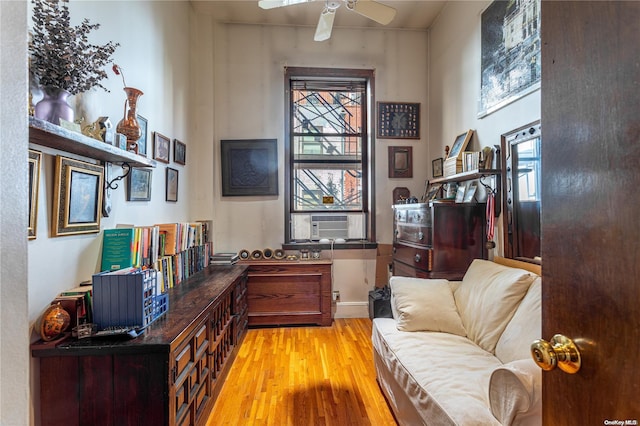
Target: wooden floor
{"x":303,"y":376}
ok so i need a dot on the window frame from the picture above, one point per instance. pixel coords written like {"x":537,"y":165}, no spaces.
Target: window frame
{"x":368,"y":143}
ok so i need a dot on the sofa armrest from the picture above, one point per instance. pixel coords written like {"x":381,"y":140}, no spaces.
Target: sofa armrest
{"x":515,"y":393}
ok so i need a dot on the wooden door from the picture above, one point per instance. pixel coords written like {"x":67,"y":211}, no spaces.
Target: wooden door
{"x":591,"y":207}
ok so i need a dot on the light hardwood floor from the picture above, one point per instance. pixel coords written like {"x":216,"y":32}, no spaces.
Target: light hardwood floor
{"x":302,"y":376}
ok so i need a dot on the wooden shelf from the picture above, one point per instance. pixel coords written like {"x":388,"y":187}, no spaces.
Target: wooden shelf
{"x":47,"y":134}
{"x":469,"y":175}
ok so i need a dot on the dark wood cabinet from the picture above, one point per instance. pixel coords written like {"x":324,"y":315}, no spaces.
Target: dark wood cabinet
{"x":170,"y":375}
{"x":289,"y":292}
{"x":438,"y":239}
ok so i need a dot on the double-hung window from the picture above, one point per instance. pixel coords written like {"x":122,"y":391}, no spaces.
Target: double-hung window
{"x":328,"y":148}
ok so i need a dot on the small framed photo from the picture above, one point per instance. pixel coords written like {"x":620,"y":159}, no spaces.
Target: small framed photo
{"x":460,"y":194}
{"x":398,"y":120}
{"x":35,"y":157}
{"x":172,"y":185}
{"x":436,"y":166}
{"x":470,"y":192}
{"x":460,"y":144}
{"x":77,"y":201}
{"x":432,"y":192}
{"x":139,"y":185}
{"x":161,"y":147}
{"x":142,"y":142}
{"x":400,"y":162}
{"x":179,"y":152}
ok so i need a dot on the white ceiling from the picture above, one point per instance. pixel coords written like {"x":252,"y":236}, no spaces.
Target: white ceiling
{"x":417,"y":14}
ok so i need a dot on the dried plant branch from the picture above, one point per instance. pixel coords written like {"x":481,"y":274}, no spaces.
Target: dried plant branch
{"x":61,"y":55}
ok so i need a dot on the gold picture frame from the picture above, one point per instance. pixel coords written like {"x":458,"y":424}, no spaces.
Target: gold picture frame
{"x":77,"y":202}
{"x":35,"y":158}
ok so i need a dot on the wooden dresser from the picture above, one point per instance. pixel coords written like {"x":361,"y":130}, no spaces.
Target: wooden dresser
{"x":283,"y":292}
{"x":438,"y":239}
{"x":170,"y":375}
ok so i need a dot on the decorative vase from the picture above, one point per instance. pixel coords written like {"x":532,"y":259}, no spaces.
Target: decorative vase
{"x":53,"y":106}
{"x":129,"y":125}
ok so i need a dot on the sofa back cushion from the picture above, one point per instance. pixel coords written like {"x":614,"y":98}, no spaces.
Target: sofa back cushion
{"x":424,"y":305}
{"x":487,"y":299}
{"x":524,"y":327}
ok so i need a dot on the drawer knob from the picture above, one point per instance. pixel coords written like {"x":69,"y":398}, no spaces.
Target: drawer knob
{"x":417,"y":258}
{"x":421,"y":236}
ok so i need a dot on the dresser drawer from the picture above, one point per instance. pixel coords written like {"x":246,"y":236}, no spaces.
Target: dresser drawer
{"x":413,"y":234}
{"x":421,"y":258}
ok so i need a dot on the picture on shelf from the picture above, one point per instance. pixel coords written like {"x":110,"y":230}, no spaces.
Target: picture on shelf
{"x":460,"y":194}
{"x":470,"y":192}
{"x":436,"y":165}
{"x":142,"y":142}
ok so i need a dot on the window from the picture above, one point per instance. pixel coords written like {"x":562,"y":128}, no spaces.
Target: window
{"x":328,"y":148}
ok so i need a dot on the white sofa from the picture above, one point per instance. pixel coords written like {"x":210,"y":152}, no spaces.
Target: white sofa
{"x":457,"y":353}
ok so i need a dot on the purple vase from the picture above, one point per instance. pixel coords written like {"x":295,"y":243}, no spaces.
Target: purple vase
{"x":53,"y":106}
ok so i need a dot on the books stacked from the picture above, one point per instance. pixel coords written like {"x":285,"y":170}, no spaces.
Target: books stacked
{"x":224,"y":258}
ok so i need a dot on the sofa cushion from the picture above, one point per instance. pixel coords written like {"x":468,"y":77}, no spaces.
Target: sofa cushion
{"x":445,"y":376}
{"x":524,"y":327}
{"x":515,"y":393}
{"x":425,"y":305}
{"x":487,"y":299}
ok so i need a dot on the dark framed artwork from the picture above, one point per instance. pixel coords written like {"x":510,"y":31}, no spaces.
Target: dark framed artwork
{"x":142,"y":142}
{"x":398,"y":120}
{"x":161,"y":147}
{"x":436,"y":166}
{"x":249,"y":167}
{"x":171,"y":187}
{"x":400,"y":162}
{"x":77,"y":201}
{"x":179,"y":152}
{"x":35,"y":157}
{"x":510,"y":53}
{"x":139,"y":184}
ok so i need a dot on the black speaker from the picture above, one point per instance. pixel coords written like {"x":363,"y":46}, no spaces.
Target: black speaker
{"x":379,"y":305}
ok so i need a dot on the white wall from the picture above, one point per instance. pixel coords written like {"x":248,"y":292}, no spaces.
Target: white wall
{"x":14,"y":345}
{"x":454,"y":87}
{"x":247,"y":101}
{"x":155,"y":56}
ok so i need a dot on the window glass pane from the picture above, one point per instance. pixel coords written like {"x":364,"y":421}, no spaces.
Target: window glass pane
{"x":331,"y":112}
{"x":327,"y":148}
{"x":528,"y":163}
{"x":328,"y":187}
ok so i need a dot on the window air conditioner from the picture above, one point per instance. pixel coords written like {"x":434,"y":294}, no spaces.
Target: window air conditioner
{"x":329,"y":226}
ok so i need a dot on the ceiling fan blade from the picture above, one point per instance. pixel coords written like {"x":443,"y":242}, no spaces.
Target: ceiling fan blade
{"x":272,"y":4}
{"x":325,"y":25}
{"x":381,"y":13}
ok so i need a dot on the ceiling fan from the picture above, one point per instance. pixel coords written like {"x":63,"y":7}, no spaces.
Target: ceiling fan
{"x":371,"y":9}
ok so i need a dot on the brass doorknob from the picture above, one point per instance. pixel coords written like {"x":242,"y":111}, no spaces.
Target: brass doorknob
{"x":561,"y":351}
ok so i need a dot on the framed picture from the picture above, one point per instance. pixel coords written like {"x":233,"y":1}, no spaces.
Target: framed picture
{"x":179,"y":152}
{"x":139,"y":185}
{"x":398,"y":120}
{"x":35,"y":157}
{"x":460,"y":144}
{"x":161,"y":147}
{"x":510,"y":53}
{"x":142,"y":142}
{"x":400,"y":162}
{"x":77,"y":201}
{"x":460,"y":194}
{"x":436,"y":166}
{"x":470,"y":192}
{"x":249,"y":167}
{"x":172,"y":185}
{"x":432,"y":192}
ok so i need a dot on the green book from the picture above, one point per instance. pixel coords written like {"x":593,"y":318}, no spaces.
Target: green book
{"x":118,"y":249}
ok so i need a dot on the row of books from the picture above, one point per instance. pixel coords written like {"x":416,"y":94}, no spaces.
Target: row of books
{"x":172,"y":270}
{"x":142,"y":246}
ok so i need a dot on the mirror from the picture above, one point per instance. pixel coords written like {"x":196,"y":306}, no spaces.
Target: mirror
{"x":521,"y":194}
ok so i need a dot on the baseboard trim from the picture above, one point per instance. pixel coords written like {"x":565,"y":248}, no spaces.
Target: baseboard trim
{"x":352,"y":310}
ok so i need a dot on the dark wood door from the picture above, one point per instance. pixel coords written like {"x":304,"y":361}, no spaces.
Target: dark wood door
{"x":591,"y":207}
